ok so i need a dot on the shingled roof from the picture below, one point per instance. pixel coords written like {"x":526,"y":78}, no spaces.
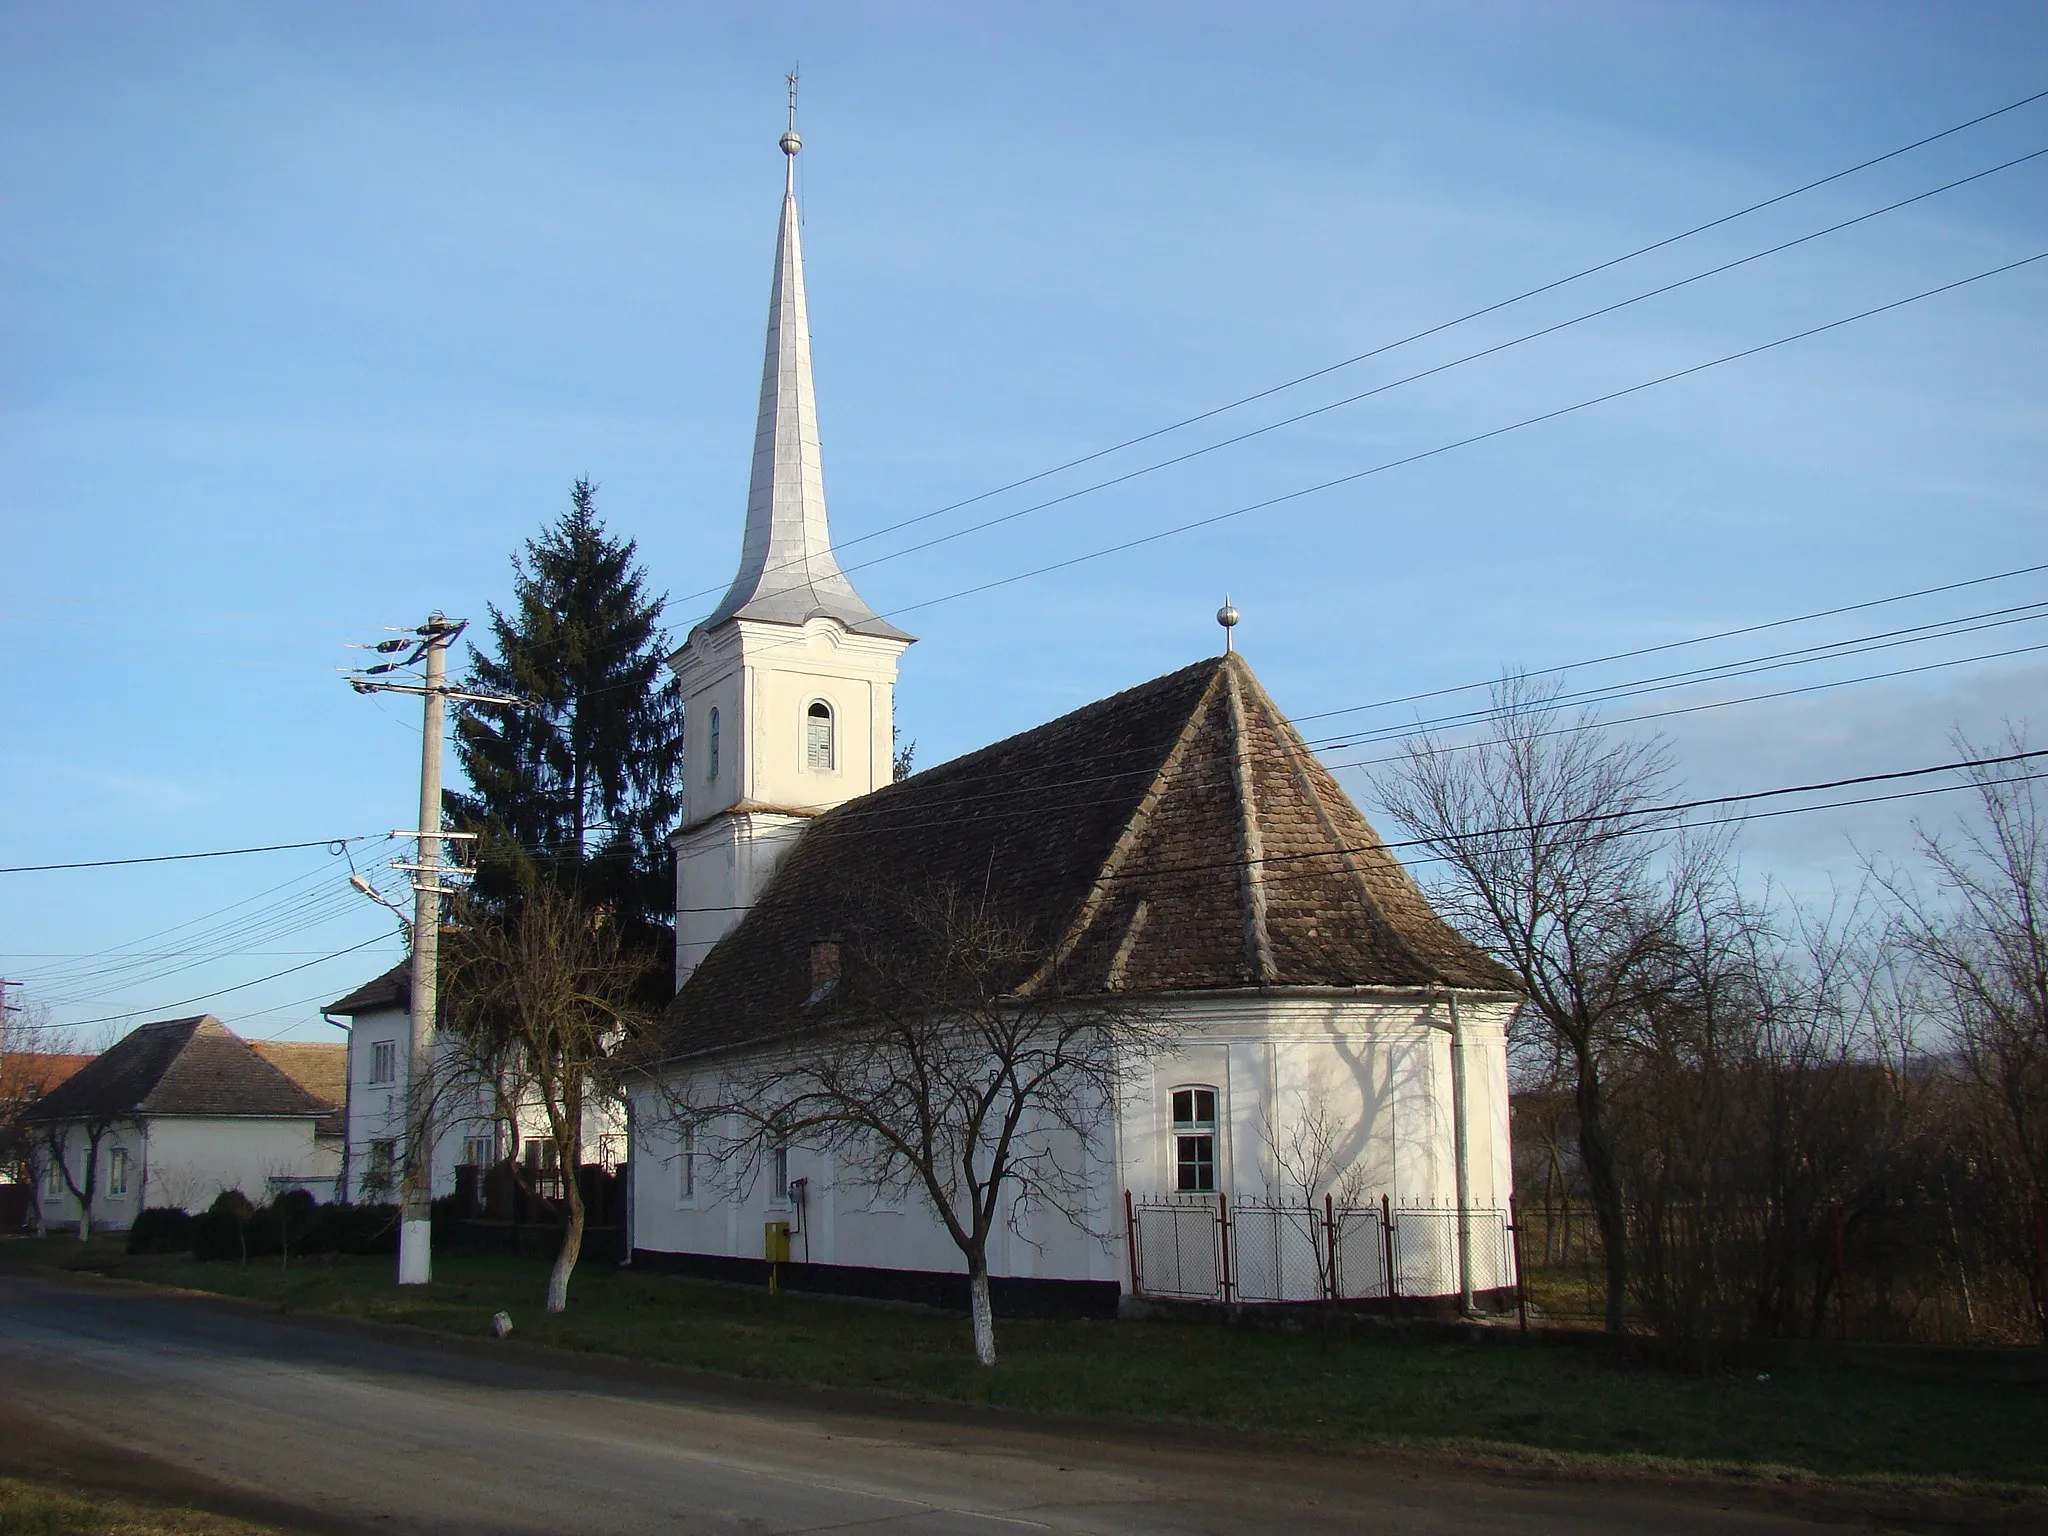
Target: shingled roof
{"x":1176,"y":837}
{"x":393,"y":989}
{"x":194,"y":1066}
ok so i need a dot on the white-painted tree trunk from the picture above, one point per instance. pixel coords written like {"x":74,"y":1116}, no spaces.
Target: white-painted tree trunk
{"x":565,"y":1259}
{"x":984,"y":1315}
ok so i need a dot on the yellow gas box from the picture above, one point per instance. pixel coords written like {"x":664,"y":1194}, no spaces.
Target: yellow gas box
{"x":775,"y":1241}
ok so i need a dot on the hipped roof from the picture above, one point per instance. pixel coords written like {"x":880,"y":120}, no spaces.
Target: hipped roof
{"x":31,"y":1074}
{"x":1176,"y":837}
{"x":195,"y":1066}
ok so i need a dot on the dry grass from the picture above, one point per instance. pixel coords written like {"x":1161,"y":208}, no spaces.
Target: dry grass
{"x":36,"y":1507}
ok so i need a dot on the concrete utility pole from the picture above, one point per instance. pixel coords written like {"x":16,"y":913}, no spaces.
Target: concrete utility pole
{"x":415,"y":1231}
{"x":429,"y":650}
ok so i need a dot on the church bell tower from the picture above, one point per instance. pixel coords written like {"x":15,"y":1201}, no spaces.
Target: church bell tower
{"x":789,"y":686}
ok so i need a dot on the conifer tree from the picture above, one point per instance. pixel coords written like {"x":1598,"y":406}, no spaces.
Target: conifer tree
{"x":582,"y":791}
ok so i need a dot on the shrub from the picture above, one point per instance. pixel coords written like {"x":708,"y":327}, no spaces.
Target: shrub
{"x":362,"y":1230}
{"x":161,"y":1229}
{"x":222,"y":1232}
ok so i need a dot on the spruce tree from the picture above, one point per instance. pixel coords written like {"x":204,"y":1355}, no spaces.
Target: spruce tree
{"x":582,"y":791}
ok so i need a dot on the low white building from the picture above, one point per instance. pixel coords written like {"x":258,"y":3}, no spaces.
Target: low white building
{"x":467,"y":1128}
{"x":174,"y":1114}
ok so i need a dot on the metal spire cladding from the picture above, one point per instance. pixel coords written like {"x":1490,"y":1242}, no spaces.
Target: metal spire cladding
{"x":788,"y":573}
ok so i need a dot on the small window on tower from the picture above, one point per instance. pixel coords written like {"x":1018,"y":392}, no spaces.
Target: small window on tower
{"x":711,"y":748}
{"x":818,"y":738}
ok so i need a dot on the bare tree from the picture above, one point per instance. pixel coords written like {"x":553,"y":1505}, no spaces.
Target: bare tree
{"x":56,"y":1138}
{"x":942,"y":1063}
{"x":1561,"y":865}
{"x":1980,"y":938}
{"x":538,"y":995}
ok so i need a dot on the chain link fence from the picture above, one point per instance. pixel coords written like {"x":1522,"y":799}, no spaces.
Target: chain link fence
{"x":1215,"y":1248}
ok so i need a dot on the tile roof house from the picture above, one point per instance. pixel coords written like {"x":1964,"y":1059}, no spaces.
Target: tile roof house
{"x":173,"y":1114}
{"x":1177,"y":847}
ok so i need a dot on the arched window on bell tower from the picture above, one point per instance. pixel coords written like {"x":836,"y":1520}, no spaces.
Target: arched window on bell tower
{"x":818,"y":737}
{"x":711,"y":748}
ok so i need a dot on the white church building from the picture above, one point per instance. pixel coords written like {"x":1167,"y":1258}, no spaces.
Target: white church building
{"x":1330,"y":1119}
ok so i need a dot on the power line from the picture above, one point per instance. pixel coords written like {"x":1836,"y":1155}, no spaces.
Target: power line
{"x":1657,"y":814}
{"x":1430,"y":372}
{"x":1672,"y":645}
{"x":173,"y":858}
{"x":1760,"y":698}
{"x":1465,"y":442}
{"x":1804,"y":656}
{"x":1611,"y":694}
{"x":1433,"y":330}
{"x":243,"y":986}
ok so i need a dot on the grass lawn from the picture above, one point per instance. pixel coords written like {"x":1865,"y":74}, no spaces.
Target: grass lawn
{"x":36,"y":1507}
{"x":1545,"y":1401}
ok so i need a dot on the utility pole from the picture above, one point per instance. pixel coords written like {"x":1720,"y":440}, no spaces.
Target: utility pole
{"x":429,"y":650}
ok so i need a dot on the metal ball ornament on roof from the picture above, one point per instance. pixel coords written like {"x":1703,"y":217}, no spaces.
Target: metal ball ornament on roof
{"x":792,"y":141}
{"x":1227,"y":616}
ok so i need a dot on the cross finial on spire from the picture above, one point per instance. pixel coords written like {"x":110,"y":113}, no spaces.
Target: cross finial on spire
{"x":792,"y":141}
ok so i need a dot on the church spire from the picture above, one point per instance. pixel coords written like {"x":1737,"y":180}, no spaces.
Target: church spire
{"x":788,"y":573}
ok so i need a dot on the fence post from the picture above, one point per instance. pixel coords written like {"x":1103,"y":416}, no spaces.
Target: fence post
{"x":1387,"y":1238}
{"x":1330,"y":1243}
{"x":1223,"y":1238}
{"x":1131,"y":1241}
{"x":1515,"y":1236}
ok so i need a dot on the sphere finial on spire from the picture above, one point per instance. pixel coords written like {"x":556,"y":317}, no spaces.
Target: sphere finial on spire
{"x":1227,"y":616}
{"x":792,"y":141}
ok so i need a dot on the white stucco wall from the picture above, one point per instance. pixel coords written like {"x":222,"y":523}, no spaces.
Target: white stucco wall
{"x":187,"y":1161}
{"x":377,"y":1110}
{"x":1374,"y":1066}
{"x":762,"y":679}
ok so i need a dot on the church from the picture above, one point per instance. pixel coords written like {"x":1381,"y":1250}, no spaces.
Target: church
{"x":1327,"y":1119}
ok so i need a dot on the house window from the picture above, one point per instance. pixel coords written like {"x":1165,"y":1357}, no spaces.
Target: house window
{"x":384,"y":1062}
{"x":479,"y":1151}
{"x":686,"y":1164}
{"x":53,"y":1176}
{"x":818,"y":737}
{"x":779,"y":1174}
{"x":1194,"y":1139}
{"x":377,"y":1176}
{"x":711,"y":748}
{"x":117,"y":1173}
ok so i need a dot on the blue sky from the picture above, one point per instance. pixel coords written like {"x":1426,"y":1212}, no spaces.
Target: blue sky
{"x":309,"y":314}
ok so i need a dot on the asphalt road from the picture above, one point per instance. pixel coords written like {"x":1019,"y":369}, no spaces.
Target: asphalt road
{"x":326,"y":1426}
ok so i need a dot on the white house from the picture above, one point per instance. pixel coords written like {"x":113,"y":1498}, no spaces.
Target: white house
{"x":1177,"y":847}
{"x":467,"y":1130}
{"x":172,"y":1115}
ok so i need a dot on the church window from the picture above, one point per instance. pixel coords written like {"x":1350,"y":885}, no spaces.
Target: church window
{"x":711,"y":748}
{"x":1194,"y":1139}
{"x":818,"y":737}
{"x":686,"y":1165}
